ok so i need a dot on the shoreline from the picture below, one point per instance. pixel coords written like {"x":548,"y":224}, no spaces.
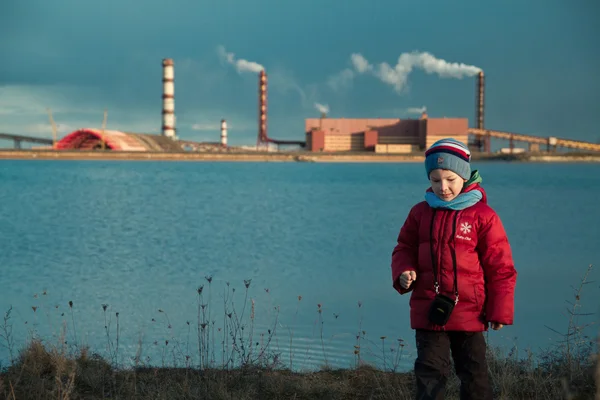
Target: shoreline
{"x":251,"y":156}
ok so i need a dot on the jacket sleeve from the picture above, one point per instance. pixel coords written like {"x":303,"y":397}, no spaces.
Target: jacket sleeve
{"x":499,"y":270}
{"x":405,"y":253}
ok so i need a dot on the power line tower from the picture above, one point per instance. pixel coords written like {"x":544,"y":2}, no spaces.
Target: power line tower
{"x":54,"y":129}
{"x":103,"y":129}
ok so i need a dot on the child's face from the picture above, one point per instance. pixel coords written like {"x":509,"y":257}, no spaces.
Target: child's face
{"x":446,"y":184}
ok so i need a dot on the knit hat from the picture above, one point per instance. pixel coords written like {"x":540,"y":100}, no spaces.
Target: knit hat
{"x":449,"y":154}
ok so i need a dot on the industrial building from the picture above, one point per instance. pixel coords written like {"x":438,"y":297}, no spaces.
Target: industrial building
{"x":381,"y":135}
{"x":378,"y":135}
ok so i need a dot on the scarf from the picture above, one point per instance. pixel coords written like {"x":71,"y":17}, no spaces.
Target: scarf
{"x":461,"y":201}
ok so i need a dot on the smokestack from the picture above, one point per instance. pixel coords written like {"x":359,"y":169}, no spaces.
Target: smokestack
{"x":480,"y":99}
{"x":223,"y":133}
{"x":168,"y":112}
{"x":262,"y":112}
{"x":323,"y":116}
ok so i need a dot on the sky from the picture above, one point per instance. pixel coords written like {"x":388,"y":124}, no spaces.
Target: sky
{"x":357,"y":58}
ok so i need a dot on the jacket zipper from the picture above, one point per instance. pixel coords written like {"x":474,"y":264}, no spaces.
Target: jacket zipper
{"x":453,"y":251}
{"x":438,"y":266}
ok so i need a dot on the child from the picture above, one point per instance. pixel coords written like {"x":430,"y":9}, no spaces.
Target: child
{"x":453,"y":254}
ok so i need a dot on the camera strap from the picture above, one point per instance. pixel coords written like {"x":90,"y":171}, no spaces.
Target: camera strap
{"x":436,"y":283}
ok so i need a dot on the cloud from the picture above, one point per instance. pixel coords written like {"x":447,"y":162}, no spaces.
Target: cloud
{"x":206,"y":127}
{"x":209,"y":126}
{"x":192,"y":74}
{"x":416,"y":110}
{"x":27,"y":100}
{"x":240,"y":129}
{"x":397,"y":76}
{"x":205,"y":118}
{"x":44,"y":129}
{"x":37,"y":129}
{"x":24,"y":111}
{"x":240,"y":65}
{"x":282,"y":80}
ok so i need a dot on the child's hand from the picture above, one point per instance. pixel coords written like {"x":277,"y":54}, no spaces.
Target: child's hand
{"x":496,"y":326}
{"x":407,"y":278}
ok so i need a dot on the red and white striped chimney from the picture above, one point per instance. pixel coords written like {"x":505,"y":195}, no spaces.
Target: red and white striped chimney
{"x":223,"y":133}
{"x":168,"y":112}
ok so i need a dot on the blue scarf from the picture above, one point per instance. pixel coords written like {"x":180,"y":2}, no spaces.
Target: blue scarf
{"x":460,"y":202}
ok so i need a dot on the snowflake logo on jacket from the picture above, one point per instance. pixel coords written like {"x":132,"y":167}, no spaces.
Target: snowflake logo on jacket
{"x":465,"y":228}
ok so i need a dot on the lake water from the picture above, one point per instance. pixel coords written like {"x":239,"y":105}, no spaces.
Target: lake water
{"x":142,"y":236}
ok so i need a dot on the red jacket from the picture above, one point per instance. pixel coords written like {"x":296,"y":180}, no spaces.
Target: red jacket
{"x":486,"y":272}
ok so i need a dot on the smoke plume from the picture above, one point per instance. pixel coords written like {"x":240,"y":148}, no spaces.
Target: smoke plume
{"x":341,"y":80}
{"x":360,"y":63}
{"x":323,"y":108}
{"x":240,"y":64}
{"x":397,"y":76}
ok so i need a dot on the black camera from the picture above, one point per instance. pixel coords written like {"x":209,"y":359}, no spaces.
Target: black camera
{"x":441,"y":309}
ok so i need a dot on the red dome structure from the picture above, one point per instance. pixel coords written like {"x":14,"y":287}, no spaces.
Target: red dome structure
{"x":96,"y":139}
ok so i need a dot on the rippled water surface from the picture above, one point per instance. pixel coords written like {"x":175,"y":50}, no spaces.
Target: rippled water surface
{"x":142,"y":236}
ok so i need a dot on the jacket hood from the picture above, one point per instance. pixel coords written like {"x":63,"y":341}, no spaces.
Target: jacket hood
{"x":474,"y":183}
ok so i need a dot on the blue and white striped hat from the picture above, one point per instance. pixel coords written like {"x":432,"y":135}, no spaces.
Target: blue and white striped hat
{"x":449,"y":154}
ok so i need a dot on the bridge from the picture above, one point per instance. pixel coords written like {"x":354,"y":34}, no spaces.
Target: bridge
{"x":481,"y":140}
{"x":18,"y":139}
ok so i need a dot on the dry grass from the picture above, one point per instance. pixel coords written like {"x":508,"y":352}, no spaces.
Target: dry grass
{"x":570,"y":370}
{"x":49,"y":373}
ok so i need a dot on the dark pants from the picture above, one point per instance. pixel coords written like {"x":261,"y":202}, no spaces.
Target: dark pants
{"x":432,"y":366}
